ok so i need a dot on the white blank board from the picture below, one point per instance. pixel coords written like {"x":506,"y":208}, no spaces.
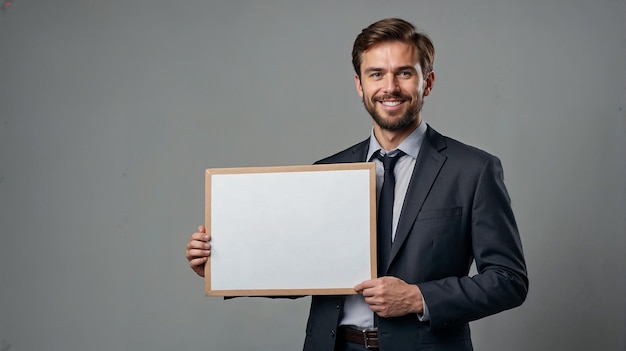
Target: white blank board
{"x":293,"y":230}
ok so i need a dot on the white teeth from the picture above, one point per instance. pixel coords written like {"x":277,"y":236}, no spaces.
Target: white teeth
{"x":391,"y":103}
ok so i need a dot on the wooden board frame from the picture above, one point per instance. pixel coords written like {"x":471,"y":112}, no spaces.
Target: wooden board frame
{"x":333,"y":207}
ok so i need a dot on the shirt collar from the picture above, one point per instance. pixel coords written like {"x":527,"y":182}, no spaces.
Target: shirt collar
{"x":410,"y":146}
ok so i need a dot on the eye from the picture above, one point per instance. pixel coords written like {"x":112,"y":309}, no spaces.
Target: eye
{"x":405,"y":74}
{"x":375,"y":75}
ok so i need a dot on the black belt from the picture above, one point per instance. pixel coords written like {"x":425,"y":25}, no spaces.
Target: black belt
{"x":364,"y":337}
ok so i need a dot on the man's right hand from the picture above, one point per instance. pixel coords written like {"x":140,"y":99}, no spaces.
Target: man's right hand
{"x":198,"y":250}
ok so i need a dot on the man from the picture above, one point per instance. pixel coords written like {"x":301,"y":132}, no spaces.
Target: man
{"x":447,"y":208}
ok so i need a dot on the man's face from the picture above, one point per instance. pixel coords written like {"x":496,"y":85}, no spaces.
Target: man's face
{"x":392,"y":85}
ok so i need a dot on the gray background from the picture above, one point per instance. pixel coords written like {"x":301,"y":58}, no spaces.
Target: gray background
{"x":111,"y":110}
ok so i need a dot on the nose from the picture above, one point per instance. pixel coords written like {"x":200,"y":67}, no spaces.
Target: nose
{"x":391,"y":83}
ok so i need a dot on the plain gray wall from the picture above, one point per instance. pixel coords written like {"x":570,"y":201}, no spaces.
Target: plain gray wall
{"x":111,"y":110}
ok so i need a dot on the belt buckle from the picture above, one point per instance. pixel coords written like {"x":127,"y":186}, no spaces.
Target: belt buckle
{"x":367,"y":338}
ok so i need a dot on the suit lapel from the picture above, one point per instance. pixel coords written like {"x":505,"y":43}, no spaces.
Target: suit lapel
{"x":359,"y":151}
{"x":427,"y":167}
{"x":355,"y":153}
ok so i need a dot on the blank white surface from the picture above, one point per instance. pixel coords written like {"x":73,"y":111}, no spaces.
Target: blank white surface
{"x":290,"y":230}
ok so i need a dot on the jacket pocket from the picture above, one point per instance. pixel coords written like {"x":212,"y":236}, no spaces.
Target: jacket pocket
{"x":439,"y":213}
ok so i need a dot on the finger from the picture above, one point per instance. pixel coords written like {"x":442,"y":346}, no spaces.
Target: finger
{"x":197,"y":244}
{"x":201,"y":229}
{"x":368,"y":293}
{"x":361,"y":286}
{"x":365,"y":285}
{"x":200,"y":237}
{"x":199,"y":261}
{"x":197,"y":253}
{"x":374,"y":304}
{"x":200,"y":251}
{"x":193,"y":245}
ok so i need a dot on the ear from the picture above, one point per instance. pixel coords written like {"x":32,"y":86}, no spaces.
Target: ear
{"x":359,"y":87}
{"x":429,"y":83}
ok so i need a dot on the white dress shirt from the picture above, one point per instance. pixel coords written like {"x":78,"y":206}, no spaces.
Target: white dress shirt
{"x":356,"y":311}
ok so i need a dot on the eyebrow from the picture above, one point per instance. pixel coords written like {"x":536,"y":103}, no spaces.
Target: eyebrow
{"x":406,"y":68}
{"x":397,"y":69}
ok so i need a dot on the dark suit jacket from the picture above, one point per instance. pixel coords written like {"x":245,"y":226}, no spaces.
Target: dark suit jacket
{"x":456,"y":210}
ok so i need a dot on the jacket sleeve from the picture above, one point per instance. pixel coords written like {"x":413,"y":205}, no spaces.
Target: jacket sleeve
{"x":502,"y":281}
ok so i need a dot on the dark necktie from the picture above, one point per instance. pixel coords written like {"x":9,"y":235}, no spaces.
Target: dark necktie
{"x":385,"y":210}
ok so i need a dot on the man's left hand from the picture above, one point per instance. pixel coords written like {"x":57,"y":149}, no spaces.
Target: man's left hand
{"x":391,"y":297}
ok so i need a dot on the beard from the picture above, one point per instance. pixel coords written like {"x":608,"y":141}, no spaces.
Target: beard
{"x":405,"y":122}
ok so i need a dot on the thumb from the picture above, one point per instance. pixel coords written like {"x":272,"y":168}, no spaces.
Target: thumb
{"x":201,"y":229}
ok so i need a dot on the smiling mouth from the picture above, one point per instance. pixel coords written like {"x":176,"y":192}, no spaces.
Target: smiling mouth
{"x":391,"y":100}
{"x":391,"y":103}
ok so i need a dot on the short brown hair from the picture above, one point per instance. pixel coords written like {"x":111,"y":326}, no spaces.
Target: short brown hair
{"x":393,"y":29}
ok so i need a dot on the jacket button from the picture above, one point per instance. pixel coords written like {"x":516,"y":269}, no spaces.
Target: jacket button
{"x":337,"y":306}
{"x":332,"y":333}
